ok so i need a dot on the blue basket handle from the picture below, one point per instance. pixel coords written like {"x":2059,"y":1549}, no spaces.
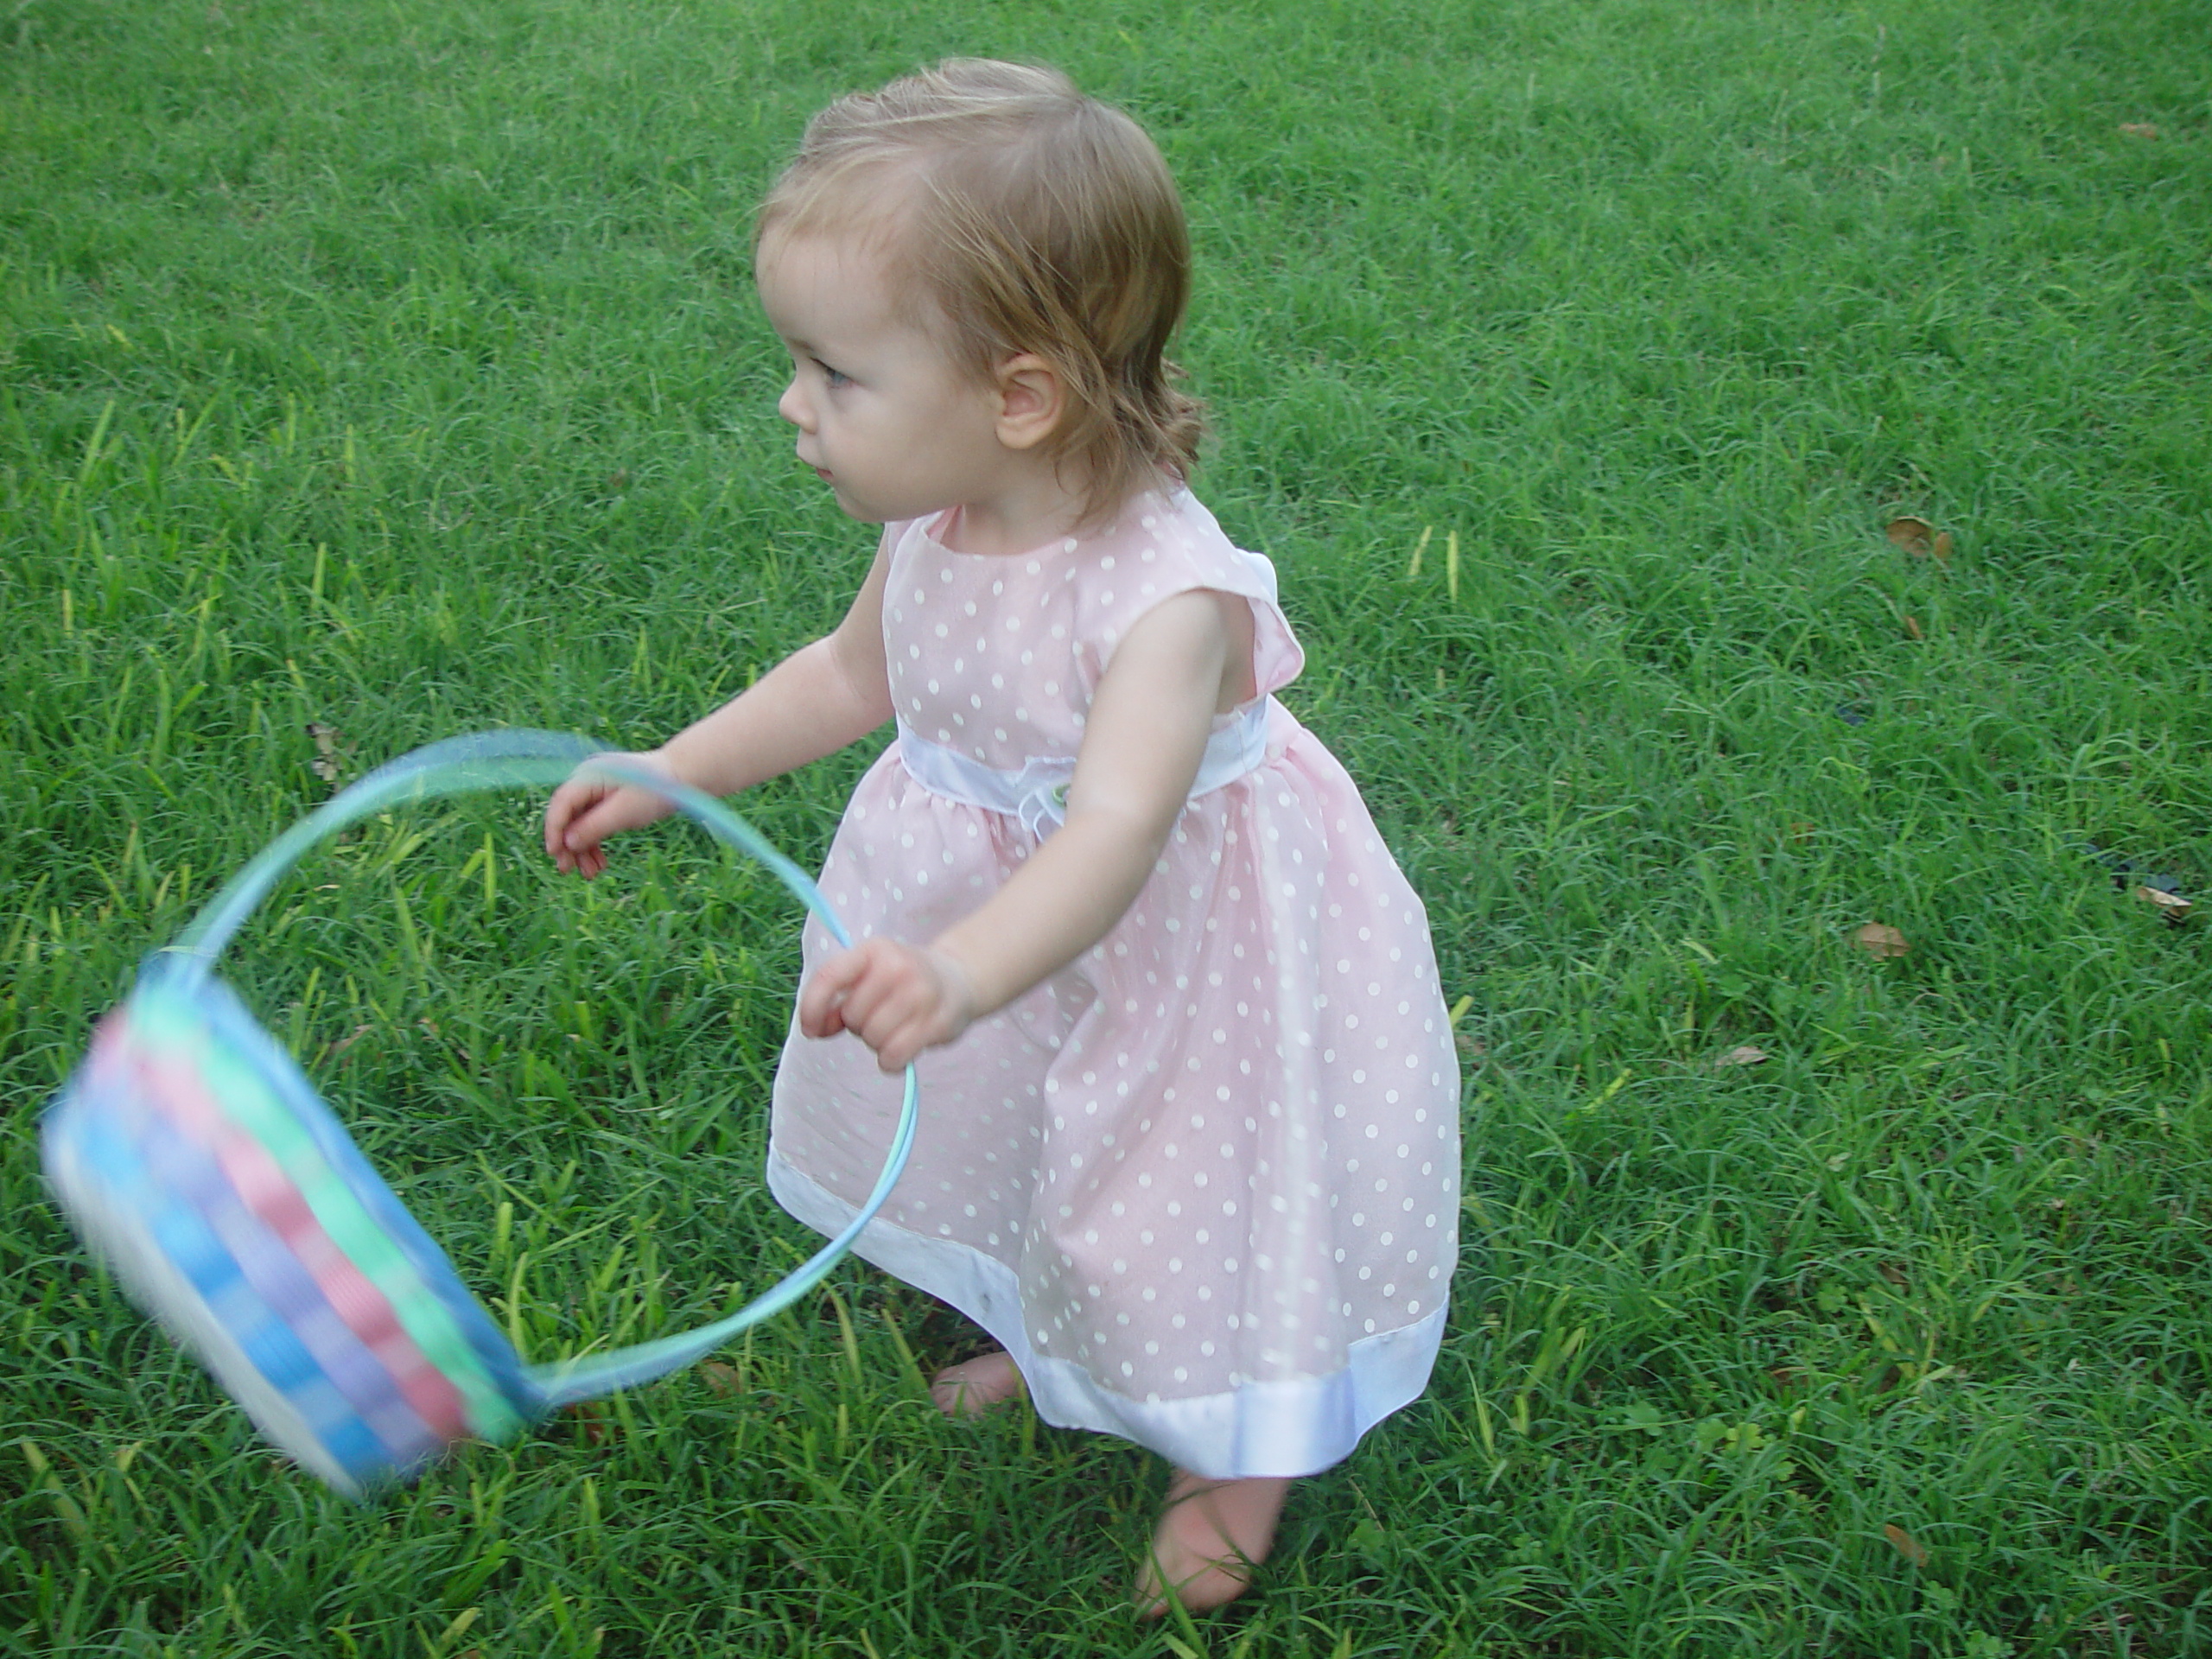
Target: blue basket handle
{"x":507,"y":760}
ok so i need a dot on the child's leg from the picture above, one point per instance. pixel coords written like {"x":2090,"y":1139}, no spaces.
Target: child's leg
{"x":974,"y":1385}
{"x":1211,"y":1534}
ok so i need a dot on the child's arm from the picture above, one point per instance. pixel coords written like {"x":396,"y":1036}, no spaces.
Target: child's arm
{"x":816,"y":701}
{"x":1143,"y":741}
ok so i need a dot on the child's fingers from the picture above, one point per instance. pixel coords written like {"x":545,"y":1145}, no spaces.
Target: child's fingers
{"x":892,"y":997}
{"x":560,"y":812}
{"x":588,"y":809}
{"x":897,"y":1033}
{"x":576,"y":855}
{"x":900,"y":1051}
{"x":601,"y":819}
{"x":822,"y":1000}
{"x":570,"y":826}
{"x":577,"y":828}
{"x":894,"y":1010}
{"x":883,"y":993}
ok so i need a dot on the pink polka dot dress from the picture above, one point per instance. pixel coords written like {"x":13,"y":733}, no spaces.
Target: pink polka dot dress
{"x":1202,"y":1184}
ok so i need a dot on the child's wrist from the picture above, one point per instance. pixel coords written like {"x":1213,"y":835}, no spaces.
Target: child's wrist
{"x":961,"y":988}
{"x":666,"y":759}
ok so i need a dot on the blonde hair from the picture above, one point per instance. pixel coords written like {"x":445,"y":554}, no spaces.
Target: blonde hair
{"x":1044,"y":222}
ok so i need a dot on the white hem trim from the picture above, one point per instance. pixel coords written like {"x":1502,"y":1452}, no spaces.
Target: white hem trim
{"x":1288,"y":1428}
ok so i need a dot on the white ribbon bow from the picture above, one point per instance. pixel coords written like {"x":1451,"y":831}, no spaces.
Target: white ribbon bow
{"x":1036,"y":792}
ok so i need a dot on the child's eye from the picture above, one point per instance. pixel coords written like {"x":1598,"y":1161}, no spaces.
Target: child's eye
{"x":834,"y":377}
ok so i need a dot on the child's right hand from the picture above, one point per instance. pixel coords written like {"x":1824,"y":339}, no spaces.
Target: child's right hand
{"x":898,"y":999}
{"x":588,"y":808}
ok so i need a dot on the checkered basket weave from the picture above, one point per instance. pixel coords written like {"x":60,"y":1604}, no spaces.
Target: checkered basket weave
{"x":195,"y":1157}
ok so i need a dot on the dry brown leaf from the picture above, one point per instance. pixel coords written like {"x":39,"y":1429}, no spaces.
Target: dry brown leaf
{"x":590,"y":1418}
{"x":329,"y":762}
{"x":1747,"y":1055}
{"x":1913,"y":627}
{"x":2139,"y":129}
{"x":345,"y":1043}
{"x":1880,"y":940}
{"x":721,"y":1377}
{"x":1915,"y":536}
{"x":1894,"y":1273}
{"x":1920,"y":538}
{"x":1905,"y":1544}
{"x":2171,"y":906}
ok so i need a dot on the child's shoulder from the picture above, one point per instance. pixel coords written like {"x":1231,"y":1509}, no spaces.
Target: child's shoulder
{"x":1164,"y":543}
{"x":1173,"y":544}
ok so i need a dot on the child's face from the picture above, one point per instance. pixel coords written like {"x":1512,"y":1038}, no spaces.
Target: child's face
{"x":884,"y":416}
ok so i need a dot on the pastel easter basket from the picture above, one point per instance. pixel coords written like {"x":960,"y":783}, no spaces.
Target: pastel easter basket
{"x":192,"y":1154}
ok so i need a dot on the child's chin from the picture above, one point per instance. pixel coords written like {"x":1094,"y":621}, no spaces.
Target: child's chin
{"x":858,"y":509}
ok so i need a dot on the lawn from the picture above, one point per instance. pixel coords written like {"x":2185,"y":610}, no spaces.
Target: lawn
{"x":371,"y":374}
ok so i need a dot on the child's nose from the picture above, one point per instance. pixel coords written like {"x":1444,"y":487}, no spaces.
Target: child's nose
{"x":792,"y":407}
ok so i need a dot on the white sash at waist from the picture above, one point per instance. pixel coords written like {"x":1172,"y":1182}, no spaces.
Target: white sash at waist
{"x":1038,"y":793}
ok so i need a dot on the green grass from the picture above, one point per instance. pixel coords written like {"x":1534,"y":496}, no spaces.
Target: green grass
{"x":395,"y":368}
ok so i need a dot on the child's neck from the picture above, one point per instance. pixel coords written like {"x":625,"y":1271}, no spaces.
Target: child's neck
{"x":1035,"y":506}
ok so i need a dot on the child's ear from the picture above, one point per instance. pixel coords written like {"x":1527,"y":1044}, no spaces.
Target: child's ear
{"x":1032,"y":398}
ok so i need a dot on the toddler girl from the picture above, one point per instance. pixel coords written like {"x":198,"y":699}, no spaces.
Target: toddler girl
{"x":1189,"y":1146}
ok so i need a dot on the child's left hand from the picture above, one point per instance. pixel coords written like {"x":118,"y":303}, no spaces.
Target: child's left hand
{"x":897,"y":999}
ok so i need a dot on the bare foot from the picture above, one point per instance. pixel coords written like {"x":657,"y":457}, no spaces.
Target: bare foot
{"x":974,"y":1385}
{"x":1212,"y":1534}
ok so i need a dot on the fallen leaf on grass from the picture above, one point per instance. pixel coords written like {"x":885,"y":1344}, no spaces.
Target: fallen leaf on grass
{"x":329,"y":762}
{"x":2171,"y":906}
{"x":1920,"y":538}
{"x":345,"y":1043}
{"x":2163,"y":893}
{"x":1914,"y":534}
{"x":590,"y":1418}
{"x":1747,"y":1055}
{"x":721,"y":1377}
{"x":1880,"y":940}
{"x":2139,"y":129}
{"x":1905,"y":1544}
{"x":1912,"y":626}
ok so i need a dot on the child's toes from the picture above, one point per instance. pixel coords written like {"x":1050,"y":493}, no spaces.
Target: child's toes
{"x":1200,"y":1583}
{"x":1212,"y":1537}
{"x":974,"y":1385}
